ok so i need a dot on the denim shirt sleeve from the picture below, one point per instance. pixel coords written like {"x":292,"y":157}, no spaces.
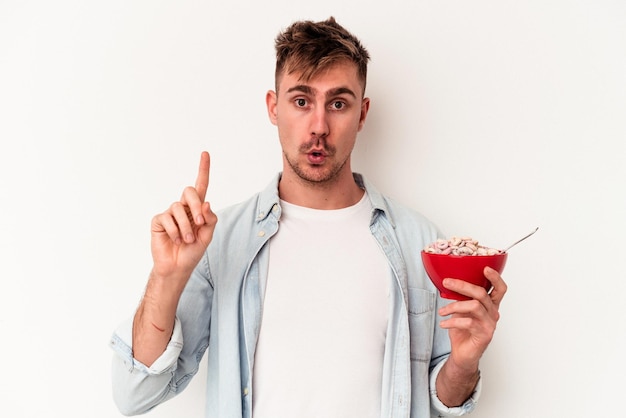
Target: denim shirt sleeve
{"x":137,"y":388}
{"x":457,"y":411}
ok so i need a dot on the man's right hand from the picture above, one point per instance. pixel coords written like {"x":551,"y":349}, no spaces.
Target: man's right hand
{"x":181,"y":234}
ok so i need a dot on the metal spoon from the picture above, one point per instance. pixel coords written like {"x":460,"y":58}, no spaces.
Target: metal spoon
{"x":519,"y":240}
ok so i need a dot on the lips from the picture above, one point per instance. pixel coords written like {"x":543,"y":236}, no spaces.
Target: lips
{"x":316,"y":156}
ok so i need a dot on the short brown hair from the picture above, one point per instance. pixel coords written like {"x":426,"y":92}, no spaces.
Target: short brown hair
{"x":311,"y":47}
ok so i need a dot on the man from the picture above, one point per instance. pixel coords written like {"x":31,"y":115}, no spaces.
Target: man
{"x":310,"y":297}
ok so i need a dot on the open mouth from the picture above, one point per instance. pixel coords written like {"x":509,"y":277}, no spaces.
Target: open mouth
{"x":316,"y":157}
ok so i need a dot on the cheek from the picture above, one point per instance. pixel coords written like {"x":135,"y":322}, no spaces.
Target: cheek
{"x":292,"y":124}
{"x":352,"y":127}
{"x":287,"y":135}
{"x":284,"y":127}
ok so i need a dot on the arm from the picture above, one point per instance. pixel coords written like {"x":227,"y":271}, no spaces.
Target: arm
{"x":179,"y":238}
{"x":138,"y":388}
{"x":471,"y":327}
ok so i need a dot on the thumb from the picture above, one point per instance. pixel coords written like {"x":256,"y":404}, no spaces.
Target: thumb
{"x":205,"y":232}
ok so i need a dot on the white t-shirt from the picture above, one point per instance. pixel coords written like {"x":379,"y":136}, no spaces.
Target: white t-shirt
{"x":322,"y":338}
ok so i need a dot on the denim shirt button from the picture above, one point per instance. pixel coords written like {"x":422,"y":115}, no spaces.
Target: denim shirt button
{"x":245,"y":391}
{"x":261,"y":233}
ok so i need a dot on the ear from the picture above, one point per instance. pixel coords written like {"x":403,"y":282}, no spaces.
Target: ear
{"x":270,"y":102}
{"x":365,"y":107}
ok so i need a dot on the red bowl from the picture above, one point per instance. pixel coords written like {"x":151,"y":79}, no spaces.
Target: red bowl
{"x":465,"y":267}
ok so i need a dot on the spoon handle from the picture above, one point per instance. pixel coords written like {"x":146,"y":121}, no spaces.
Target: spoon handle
{"x":519,"y":240}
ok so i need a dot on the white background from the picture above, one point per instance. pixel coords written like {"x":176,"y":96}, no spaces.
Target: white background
{"x":490,"y":117}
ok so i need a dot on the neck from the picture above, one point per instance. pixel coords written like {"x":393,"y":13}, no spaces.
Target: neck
{"x":339,"y":192}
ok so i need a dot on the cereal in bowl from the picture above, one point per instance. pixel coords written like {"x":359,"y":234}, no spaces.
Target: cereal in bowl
{"x":459,"y":246}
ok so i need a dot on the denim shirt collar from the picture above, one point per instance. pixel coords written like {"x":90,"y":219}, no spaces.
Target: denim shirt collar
{"x":269,"y":200}
{"x":379,"y":204}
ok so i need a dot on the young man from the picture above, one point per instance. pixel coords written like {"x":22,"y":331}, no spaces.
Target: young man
{"x":310,"y":297}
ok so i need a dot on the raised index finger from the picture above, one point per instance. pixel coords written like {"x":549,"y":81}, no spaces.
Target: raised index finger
{"x":202,"y":182}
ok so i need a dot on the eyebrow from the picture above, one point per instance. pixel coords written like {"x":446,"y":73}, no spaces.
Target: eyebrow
{"x":301,"y":88}
{"x":333,"y":92}
{"x":340,"y":90}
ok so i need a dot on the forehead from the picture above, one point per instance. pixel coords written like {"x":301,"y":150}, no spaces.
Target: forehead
{"x":341,"y":74}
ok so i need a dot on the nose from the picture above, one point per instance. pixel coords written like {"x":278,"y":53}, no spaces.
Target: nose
{"x":319,"y":122}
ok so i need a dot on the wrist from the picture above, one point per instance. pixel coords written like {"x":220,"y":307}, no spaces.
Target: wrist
{"x":454,"y":384}
{"x":463,"y":369}
{"x":162,"y":294}
{"x":164,"y":286}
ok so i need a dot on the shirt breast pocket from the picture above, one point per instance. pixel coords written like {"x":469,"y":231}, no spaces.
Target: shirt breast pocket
{"x":421,"y":316}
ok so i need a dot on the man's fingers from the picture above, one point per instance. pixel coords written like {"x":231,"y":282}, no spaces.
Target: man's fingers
{"x":193,"y":203}
{"x":193,"y":197}
{"x":165,"y":223}
{"x":499,"y":286}
{"x":202,"y":182}
{"x":209,"y":217}
{"x":182,"y":217}
{"x":181,"y":221}
{"x":177,"y":223}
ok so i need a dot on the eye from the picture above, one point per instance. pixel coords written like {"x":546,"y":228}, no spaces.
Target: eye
{"x":300,"y":102}
{"x":337,"y":105}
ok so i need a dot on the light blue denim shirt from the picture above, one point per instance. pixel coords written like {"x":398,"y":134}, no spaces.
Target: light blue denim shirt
{"x":221,"y":306}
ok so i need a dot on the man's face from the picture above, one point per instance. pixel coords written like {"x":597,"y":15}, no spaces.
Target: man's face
{"x":318,"y":121}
